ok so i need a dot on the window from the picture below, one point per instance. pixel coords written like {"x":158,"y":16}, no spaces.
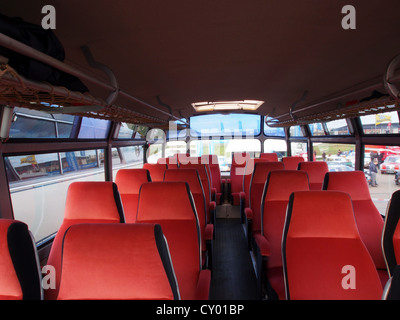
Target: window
{"x":229,"y":125}
{"x":339,"y":157}
{"x":34,"y":124}
{"x":224,"y":149}
{"x":127,"y":157}
{"x":92,"y":128}
{"x":39,"y":182}
{"x":273,"y":131}
{"x":337,"y":127}
{"x":296,"y":131}
{"x":174,"y":147}
{"x":132,"y":131}
{"x":382,"y":123}
{"x":299,"y":149}
{"x":317,"y":129}
{"x":154,"y":152}
{"x":387,"y":177}
{"x":277,"y":146}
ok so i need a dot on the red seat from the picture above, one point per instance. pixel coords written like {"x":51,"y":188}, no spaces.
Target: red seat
{"x":291,"y":163}
{"x":116,"y":261}
{"x":191,"y":176}
{"x":256,"y":188}
{"x":205,"y":181}
{"x":248,"y":173}
{"x":368,"y":218}
{"x":316,"y":171}
{"x":324,"y":257}
{"x":238,"y":169}
{"x":156,"y":170}
{"x":216,"y":182}
{"x":86,"y":202}
{"x":171,"y":205}
{"x":280,"y":184}
{"x":391,"y":234}
{"x":129,"y":182}
{"x":269,"y":156}
{"x":20,"y":277}
{"x":171,"y":162}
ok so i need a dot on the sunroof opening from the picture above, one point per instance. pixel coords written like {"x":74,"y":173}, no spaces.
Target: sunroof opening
{"x":246,"y":105}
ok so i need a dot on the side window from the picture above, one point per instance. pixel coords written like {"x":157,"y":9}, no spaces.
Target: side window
{"x":386,"y":159}
{"x":39,"y":182}
{"x":276,"y":145}
{"x":127,"y":157}
{"x":34,"y":124}
{"x":94,"y":128}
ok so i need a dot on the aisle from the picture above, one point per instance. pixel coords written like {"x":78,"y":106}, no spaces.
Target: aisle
{"x":233,"y":273}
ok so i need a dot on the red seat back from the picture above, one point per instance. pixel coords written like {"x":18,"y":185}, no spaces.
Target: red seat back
{"x":316,"y":171}
{"x":368,"y":218}
{"x":171,"y":162}
{"x":212,"y":161}
{"x":256,"y":189}
{"x":191,"y":176}
{"x":86,"y":202}
{"x":19,"y":266}
{"x":156,"y":170}
{"x":322,"y":250}
{"x":238,"y":169}
{"x":129,"y":182}
{"x":279,"y":186}
{"x":249,"y":169}
{"x":171,"y":205}
{"x":269,"y":156}
{"x":205,"y":181}
{"x":291,"y":163}
{"x":116,"y":261}
{"x":391,"y":233}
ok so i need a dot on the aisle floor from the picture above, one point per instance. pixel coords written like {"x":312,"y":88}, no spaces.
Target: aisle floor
{"x":233,"y":273}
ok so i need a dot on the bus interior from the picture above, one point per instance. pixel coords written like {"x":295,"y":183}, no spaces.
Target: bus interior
{"x":209,"y":150}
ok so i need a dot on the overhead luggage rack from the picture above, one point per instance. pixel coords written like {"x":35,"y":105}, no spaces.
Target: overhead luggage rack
{"x":16,"y":90}
{"x":384,"y":104}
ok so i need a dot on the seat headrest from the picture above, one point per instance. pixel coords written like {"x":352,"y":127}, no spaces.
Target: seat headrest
{"x":201,"y":169}
{"x":166,"y":201}
{"x":352,"y":182}
{"x":191,"y":176}
{"x":315,"y":169}
{"x":210,"y":159}
{"x":321,"y":214}
{"x":269,"y":156}
{"x":130,"y":180}
{"x":262,"y":169}
{"x":291,"y":163}
{"x":19,"y":267}
{"x":136,"y":255}
{"x":93,"y":200}
{"x":250,"y":165}
{"x":281,"y":183}
{"x":240,"y":158}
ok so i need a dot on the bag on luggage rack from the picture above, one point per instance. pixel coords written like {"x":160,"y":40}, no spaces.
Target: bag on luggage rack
{"x":42,"y":40}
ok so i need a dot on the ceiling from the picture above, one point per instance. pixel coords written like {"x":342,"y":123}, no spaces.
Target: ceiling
{"x":193,"y":51}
